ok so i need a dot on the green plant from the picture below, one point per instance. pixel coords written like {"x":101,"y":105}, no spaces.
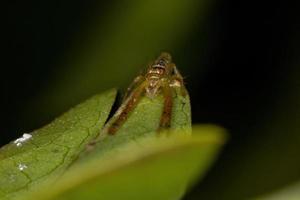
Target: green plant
{"x":136,"y":162}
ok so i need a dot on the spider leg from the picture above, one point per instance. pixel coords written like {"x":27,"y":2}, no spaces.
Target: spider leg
{"x":138,"y":80}
{"x":165,"y":120}
{"x":129,"y":104}
{"x":177,"y":81}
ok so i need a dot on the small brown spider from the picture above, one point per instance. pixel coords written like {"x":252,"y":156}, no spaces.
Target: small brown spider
{"x":161,"y":77}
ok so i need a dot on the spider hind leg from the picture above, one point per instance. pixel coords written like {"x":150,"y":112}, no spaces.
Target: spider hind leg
{"x":165,"y":120}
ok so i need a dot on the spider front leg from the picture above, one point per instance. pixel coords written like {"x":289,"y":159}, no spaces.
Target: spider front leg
{"x":126,"y":108}
{"x":177,"y":81}
{"x":138,"y":80}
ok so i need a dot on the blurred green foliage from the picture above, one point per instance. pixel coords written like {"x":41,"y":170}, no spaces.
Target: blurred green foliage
{"x":161,"y":169}
{"x":114,"y":50}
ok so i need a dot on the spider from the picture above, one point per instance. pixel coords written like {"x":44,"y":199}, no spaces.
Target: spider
{"x":161,"y":77}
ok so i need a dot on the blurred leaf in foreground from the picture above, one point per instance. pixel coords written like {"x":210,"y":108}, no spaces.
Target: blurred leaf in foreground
{"x":47,"y":152}
{"x":160,"y":169}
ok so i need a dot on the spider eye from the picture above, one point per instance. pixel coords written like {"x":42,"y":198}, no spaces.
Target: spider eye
{"x":161,"y":62}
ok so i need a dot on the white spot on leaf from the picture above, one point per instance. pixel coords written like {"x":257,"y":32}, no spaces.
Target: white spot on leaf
{"x":22,"y":139}
{"x":19,"y":144}
{"x":22,"y":167}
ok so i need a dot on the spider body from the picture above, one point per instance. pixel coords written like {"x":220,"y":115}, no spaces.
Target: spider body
{"x":157,"y":73}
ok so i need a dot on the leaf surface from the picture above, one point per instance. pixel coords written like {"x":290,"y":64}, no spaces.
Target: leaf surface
{"x":46,"y":153}
{"x":137,"y":162}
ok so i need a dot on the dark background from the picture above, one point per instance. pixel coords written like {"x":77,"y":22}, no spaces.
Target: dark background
{"x":244,"y":75}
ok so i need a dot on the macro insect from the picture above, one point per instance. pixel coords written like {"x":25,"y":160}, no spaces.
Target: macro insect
{"x":161,"y":77}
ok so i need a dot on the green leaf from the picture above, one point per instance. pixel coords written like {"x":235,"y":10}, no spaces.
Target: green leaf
{"x":151,"y":168}
{"x":51,"y":149}
{"x":137,"y":162}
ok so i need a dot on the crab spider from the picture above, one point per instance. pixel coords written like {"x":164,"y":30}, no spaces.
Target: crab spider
{"x":161,"y":77}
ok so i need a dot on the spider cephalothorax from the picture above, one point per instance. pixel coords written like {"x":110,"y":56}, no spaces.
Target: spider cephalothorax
{"x":159,"y":74}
